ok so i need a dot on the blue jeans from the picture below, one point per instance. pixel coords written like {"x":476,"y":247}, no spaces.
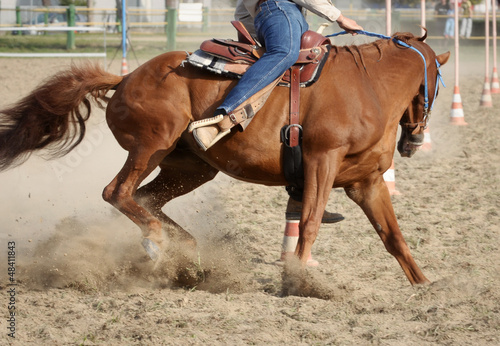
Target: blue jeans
{"x":279,"y":26}
{"x":449,"y":29}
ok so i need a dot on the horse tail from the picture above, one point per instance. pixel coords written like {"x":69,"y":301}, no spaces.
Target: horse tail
{"x":52,"y":116}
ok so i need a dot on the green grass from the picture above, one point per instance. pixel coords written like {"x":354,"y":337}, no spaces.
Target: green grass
{"x":144,"y":45}
{"x":49,"y":43}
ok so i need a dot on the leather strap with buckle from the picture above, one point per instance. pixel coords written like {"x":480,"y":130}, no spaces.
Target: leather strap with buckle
{"x":294,"y":105}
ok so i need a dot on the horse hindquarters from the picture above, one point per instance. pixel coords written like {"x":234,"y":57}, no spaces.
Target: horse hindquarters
{"x":147,"y":120}
{"x":373,"y":197}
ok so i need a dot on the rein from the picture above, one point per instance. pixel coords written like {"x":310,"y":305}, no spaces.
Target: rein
{"x":427,"y":109}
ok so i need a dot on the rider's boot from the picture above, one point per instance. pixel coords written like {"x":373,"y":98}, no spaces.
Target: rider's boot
{"x":294,"y":209}
{"x":207,"y":132}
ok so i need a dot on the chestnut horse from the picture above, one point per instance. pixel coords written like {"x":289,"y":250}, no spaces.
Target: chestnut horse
{"x":350,"y":118}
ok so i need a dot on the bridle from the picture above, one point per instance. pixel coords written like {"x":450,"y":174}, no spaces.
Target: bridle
{"x":422,"y":125}
{"x":413,"y":126}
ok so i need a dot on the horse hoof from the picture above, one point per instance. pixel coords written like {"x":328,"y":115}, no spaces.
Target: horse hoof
{"x":151,"y":248}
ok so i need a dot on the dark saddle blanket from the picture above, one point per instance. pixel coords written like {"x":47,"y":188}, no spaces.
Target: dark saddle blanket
{"x":233,"y":58}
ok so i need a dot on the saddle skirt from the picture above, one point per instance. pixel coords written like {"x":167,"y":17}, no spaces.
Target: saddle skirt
{"x":233,"y":58}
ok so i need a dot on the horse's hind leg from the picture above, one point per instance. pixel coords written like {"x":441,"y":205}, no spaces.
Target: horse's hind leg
{"x":140,"y":163}
{"x":181,"y":172}
{"x":373,"y":197}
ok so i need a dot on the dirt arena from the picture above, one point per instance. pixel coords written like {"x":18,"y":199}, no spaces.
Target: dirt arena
{"x":83,"y":277}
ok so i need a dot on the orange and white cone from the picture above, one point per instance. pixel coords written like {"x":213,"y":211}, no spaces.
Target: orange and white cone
{"x":390,"y":180}
{"x":486,"y":96}
{"x":495,"y":85}
{"x":124,"y":67}
{"x":427,"y":146}
{"x":457,"y":111}
{"x":290,"y":240}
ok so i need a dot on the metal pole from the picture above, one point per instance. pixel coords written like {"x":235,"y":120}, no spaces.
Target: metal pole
{"x":205,"y":19}
{"x":124,"y":29}
{"x":105,"y":49}
{"x":388,"y":21}
{"x":457,"y":111}
{"x":171,"y":28}
{"x":457,"y":68}
{"x":495,"y":85}
{"x":422,"y":15}
{"x":486,"y":100}
{"x":487,"y":36}
{"x":70,"y":13}
{"x":18,"y":18}
{"x":494,"y":28}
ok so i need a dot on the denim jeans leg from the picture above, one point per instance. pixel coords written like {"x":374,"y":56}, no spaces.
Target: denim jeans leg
{"x":279,"y":26}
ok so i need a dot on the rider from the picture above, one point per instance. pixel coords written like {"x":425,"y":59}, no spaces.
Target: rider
{"x":279,"y":25}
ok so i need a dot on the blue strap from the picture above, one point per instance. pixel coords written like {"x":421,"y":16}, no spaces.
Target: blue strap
{"x":426,"y":92}
{"x":439,"y":79}
{"x":362,"y":32}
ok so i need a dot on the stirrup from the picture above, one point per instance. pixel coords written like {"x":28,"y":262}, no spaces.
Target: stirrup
{"x":205,"y":122}
{"x":215,"y":140}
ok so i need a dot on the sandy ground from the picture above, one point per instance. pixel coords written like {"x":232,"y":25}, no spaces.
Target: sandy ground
{"x":83,"y":277}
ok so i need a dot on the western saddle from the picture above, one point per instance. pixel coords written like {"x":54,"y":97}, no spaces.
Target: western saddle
{"x":238,"y":56}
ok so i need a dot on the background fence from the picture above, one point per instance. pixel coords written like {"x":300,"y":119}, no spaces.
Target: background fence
{"x":198,"y":22}
{"x":210,"y":19}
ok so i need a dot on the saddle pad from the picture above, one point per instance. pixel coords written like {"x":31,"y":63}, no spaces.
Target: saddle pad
{"x":217,"y":65}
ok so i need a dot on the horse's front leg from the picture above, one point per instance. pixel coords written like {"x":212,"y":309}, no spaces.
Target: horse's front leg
{"x":319,"y":175}
{"x":373,"y":197}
